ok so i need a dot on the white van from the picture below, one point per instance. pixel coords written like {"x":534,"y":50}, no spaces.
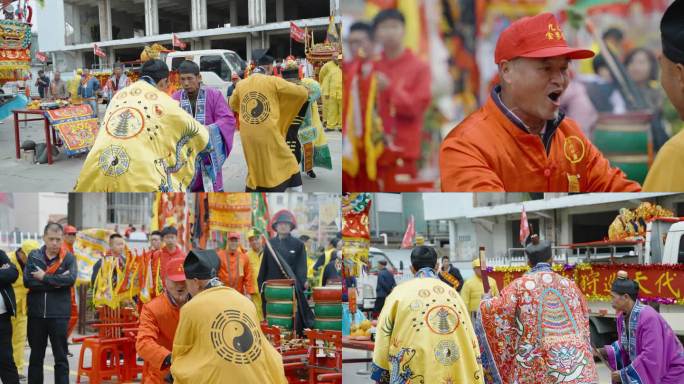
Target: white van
{"x":216,"y":65}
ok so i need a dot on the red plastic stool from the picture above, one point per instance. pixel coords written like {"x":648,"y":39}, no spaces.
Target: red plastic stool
{"x":100,"y":366}
{"x":129,"y":368}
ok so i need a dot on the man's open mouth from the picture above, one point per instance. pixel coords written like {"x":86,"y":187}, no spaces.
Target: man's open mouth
{"x":554,"y":96}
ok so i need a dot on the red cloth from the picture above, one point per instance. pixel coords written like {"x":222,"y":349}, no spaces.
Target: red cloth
{"x":158,"y":322}
{"x":163,"y":256}
{"x":487,"y":152}
{"x":237,"y":274}
{"x":403,"y":103}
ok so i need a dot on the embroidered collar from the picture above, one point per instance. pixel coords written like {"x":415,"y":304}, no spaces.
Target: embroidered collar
{"x":426,"y":272}
{"x":200,"y":105}
{"x":541,"y":267}
{"x":149,"y":80}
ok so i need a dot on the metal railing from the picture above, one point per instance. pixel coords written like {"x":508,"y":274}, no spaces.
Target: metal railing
{"x":11,"y":240}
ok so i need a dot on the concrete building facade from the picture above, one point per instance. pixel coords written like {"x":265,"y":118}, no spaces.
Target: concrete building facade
{"x":69,"y":28}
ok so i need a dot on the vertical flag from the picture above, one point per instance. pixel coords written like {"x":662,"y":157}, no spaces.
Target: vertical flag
{"x":524,"y":227}
{"x":407,"y":242}
{"x":297,"y":33}
{"x":332,"y":36}
{"x":260,"y":214}
{"x":176,"y":42}
{"x":97,"y":51}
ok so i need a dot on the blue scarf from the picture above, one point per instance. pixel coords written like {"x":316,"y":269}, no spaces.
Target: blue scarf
{"x":541,"y":267}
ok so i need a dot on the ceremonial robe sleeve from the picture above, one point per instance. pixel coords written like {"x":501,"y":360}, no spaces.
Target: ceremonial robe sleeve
{"x":146,"y":343}
{"x":649,"y":365}
{"x":181,"y":367}
{"x":463,"y":168}
{"x":500,"y":323}
{"x":224,"y":118}
{"x":234,"y":100}
{"x":383,"y":339}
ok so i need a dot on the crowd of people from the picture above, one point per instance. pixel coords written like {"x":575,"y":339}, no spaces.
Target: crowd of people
{"x":38,"y":302}
{"x":533,"y":330}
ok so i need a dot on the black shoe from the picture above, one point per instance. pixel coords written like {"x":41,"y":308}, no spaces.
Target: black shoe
{"x":311,"y":174}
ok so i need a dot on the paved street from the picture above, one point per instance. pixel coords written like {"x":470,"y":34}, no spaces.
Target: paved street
{"x":357,"y":373}
{"x":21,"y":176}
{"x":48,"y":369}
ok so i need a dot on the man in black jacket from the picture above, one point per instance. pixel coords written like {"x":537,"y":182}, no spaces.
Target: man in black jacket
{"x":384,"y":287}
{"x":49,"y":275}
{"x":8,"y":305}
{"x":450,"y":274}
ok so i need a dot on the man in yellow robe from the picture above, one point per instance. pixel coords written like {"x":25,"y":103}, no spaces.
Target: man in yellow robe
{"x":332,"y":95}
{"x":266,"y":106}
{"x":424,"y":332}
{"x":19,"y":322}
{"x":218,"y":339}
{"x":146,"y":141}
{"x":322,"y":75}
{"x":255,"y":253}
{"x":473,"y":289}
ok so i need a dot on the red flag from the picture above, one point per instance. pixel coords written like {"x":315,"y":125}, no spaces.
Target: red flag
{"x":41,"y":57}
{"x":176,"y":42}
{"x":524,"y":227}
{"x":97,"y":51}
{"x":296,"y":33}
{"x":407,"y":242}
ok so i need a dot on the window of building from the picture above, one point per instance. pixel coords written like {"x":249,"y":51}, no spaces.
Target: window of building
{"x":129,"y":208}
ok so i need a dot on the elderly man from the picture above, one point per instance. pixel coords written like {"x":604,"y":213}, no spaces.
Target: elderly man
{"x":58,"y":87}
{"x":88,"y":88}
{"x":664,"y":173}
{"x":519,"y":140}
{"x":218,"y":339}
{"x":158,"y":322}
{"x":537,"y":329}
{"x":117,"y":81}
{"x":209,"y":108}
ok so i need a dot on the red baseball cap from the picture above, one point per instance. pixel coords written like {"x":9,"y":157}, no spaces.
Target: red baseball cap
{"x":233,"y":235}
{"x":174,"y":270}
{"x":536,"y":37}
{"x":70,"y":230}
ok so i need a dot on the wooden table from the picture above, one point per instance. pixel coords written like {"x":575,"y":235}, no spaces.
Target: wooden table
{"x":46,"y":126}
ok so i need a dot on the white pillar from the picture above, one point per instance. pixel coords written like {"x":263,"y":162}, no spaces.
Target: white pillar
{"x":233,"y":9}
{"x":151,"y":17}
{"x":105,"y":13}
{"x":248,"y":48}
{"x":452,"y":240}
{"x":198,"y":14}
{"x":280,"y":10}
{"x":256,"y":10}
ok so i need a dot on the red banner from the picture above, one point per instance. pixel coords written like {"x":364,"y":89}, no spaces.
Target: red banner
{"x":297,"y":33}
{"x":176,"y":42}
{"x":41,"y":57}
{"x":97,"y":51}
{"x":662,"y":283}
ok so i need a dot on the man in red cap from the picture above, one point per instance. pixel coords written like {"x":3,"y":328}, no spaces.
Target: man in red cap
{"x":169,"y":250}
{"x":235,"y":271}
{"x":519,"y":140}
{"x":158,"y":323}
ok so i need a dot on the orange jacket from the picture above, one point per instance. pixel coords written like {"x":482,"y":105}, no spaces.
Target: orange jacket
{"x":489,"y":152}
{"x":163,"y":256}
{"x":237,"y":274}
{"x":158,"y":322}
